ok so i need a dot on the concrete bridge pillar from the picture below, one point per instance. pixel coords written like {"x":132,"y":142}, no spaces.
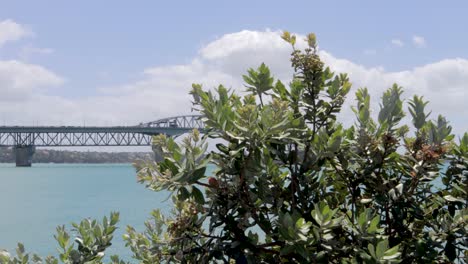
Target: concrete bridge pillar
{"x":24,"y":155}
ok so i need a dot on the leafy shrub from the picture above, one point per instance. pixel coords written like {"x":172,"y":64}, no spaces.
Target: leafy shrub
{"x":293,"y":185}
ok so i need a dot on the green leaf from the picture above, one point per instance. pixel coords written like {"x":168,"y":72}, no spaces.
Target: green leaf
{"x":392,"y":253}
{"x":198,"y":195}
{"x":372,"y":252}
{"x":450,"y":198}
{"x":365,"y":200}
{"x":381,"y":248}
{"x":183,"y":194}
{"x":198,"y":174}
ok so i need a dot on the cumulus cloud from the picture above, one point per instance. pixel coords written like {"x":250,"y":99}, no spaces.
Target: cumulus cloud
{"x":163,"y":90}
{"x":443,"y":83}
{"x":11,"y":31}
{"x":234,"y":53}
{"x":419,"y":42}
{"x":398,"y":43}
{"x":19,"y":80}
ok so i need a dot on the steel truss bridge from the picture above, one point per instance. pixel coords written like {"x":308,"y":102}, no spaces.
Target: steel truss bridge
{"x":25,"y":138}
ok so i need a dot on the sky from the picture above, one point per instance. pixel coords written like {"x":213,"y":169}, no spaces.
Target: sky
{"x":125,"y":62}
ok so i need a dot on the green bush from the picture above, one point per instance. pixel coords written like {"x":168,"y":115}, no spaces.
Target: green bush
{"x":293,"y":185}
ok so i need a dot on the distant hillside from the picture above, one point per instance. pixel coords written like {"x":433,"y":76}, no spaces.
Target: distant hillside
{"x":64,"y":156}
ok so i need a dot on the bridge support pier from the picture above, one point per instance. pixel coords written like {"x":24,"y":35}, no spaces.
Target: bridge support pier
{"x":24,"y":155}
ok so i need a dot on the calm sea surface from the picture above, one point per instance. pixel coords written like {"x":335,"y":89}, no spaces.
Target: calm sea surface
{"x":33,"y":201}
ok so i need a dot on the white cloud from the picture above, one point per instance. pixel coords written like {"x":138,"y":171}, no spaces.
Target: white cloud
{"x":398,"y":43}
{"x":163,"y":90}
{"x":12,"y":31}
{"x":240,"y":42}
{"x":19,"y":80}
{"x":234,"y":53}
{"x":419,"y":41}
{"x":443,"y":83}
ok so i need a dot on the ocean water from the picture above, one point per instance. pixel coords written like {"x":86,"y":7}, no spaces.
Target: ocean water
{"x":34,"y":201}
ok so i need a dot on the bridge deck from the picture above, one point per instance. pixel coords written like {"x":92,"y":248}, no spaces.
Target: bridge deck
{"x":94,"y":129}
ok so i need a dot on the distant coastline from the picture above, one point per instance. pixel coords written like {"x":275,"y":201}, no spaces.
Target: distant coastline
{"x":66,"y":156}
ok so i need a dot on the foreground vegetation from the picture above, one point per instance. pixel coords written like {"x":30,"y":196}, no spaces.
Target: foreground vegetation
{"x":293,"y":185}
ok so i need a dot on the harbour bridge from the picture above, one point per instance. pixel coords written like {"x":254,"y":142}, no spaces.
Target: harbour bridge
{"x":24,"y":139}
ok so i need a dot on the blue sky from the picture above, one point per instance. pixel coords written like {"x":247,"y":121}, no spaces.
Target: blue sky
{"x":104,"y":52}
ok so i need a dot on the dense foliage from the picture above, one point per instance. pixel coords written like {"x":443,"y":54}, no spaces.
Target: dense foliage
{"x":291,"y":184}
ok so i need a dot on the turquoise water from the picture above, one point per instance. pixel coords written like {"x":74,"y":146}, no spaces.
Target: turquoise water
{"x":33,"y":201}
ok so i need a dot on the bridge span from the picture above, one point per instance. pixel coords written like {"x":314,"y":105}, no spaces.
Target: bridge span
{"x":24,"y":139}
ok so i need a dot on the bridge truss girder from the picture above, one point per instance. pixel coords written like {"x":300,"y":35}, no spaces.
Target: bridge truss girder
{"x":75,"y":139}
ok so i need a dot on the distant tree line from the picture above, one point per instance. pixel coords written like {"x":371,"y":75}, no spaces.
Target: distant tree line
{"x":7,"y":155}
